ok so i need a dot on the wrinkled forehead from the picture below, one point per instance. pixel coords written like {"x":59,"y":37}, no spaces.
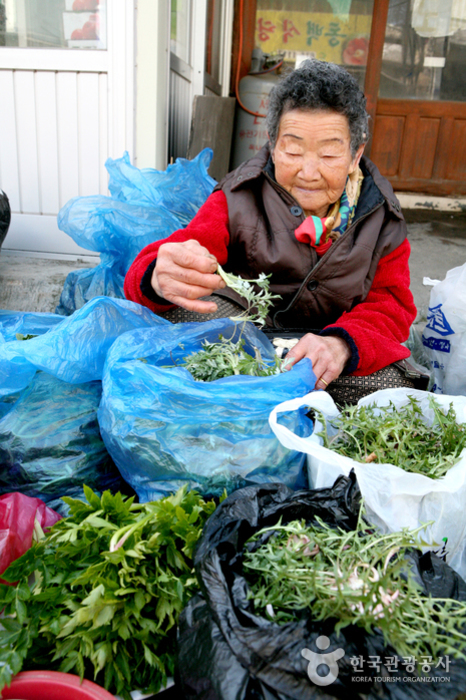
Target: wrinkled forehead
{"x":327,"y":125}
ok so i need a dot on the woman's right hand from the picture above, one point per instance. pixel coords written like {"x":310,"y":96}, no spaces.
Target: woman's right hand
{"x":183,"y":273}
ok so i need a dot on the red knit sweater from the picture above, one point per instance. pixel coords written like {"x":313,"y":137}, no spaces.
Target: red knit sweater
{"x":377,"y":326}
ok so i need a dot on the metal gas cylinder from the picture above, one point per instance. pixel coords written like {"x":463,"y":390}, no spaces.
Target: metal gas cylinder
{"x":250,"y":131}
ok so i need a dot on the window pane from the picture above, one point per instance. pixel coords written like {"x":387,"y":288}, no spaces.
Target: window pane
{"x":179,"y":29}
{"x":330,"y":30}
{"x":53,"y":24}
{"x":425,"y":50}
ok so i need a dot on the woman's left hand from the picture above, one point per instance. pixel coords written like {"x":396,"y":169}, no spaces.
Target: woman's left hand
{"x":328,"y":354}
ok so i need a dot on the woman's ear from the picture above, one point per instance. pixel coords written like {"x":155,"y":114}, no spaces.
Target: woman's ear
{"x":356,"y":159}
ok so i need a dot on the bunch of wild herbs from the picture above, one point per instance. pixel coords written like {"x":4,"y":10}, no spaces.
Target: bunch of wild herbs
{"x":109,"y":583}
{"x":226,"y":358}
{"x":399,"y":436}
{"x":358,"y":578}
{"x":259,"y":302}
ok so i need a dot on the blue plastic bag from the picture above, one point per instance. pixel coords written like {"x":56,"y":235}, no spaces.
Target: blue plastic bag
{"x":146,"y":205}
{"x":50,"y":443}
{"x":73,"y":350}
{"x":26,"y":323}
{"x":163,"y":428}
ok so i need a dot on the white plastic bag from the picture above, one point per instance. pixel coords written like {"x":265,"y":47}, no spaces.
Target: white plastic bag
{"x":444,"y":336}
{"x":393,"y":497}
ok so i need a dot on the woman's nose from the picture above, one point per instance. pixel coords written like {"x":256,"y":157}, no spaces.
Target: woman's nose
{"x":310,"y":168}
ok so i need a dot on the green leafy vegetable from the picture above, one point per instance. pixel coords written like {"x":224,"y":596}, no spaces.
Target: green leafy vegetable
{"x":358,"y":578}
{"x":20,"y":336}
{"x":226,"y":358}
{"x":259,"y":302}
{"x":399,"y":436}
{"x":109,"y":583}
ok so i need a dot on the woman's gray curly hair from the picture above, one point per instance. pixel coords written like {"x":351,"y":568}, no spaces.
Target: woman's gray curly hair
{"x":317,"y":85}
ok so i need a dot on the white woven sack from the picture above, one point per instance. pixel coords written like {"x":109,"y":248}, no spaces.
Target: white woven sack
{"x":393,"y":497}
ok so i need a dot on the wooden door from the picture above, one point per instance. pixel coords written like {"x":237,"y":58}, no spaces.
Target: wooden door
{"x":421,"y":146}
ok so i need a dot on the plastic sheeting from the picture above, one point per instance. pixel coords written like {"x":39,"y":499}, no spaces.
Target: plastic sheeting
{"x":18,"y":515}
{"x":50,"y":389}
{"x":163,"y":429}
{"x":145,"y":206}
{"x":227,"y":652}
{"x":26,"y":323}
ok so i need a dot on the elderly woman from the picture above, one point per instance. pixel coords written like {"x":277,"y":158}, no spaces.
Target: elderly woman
{"x":313,"y":212}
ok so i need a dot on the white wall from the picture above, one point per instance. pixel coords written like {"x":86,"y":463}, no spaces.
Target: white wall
{"x":152,"y":65}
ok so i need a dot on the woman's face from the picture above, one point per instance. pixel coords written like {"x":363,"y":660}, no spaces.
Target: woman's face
{"x":312,"y":158}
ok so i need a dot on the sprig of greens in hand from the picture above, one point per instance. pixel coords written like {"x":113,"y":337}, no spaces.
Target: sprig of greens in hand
{"x":109,"y":583}
{"x":357,"y":578}
{"x":259,"y":302}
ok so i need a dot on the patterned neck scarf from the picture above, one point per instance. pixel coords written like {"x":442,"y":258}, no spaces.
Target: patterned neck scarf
{"x":320,"y":233}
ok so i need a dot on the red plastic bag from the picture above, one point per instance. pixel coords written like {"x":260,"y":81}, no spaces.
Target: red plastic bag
{"x":18,"y":514}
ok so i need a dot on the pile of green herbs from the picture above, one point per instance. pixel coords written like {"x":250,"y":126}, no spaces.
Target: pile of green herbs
{"x":358,"y":578}
{"x":399,"y":436}
{"x":226,"y":358}
{"x":109,"y":582}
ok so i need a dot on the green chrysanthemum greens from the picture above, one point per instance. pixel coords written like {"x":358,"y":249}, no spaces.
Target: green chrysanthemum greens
{"x":109,"y":583}
{"x":225,"y":359}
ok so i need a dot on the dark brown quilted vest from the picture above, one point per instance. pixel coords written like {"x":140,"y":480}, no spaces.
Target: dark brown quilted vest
{"x":315,"y":292}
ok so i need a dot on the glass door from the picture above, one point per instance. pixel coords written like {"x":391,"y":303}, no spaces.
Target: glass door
{"x":424,"y":53}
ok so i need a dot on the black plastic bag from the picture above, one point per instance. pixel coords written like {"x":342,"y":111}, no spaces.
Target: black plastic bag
{"x":226,"y":652}
{"x":5,"y":216}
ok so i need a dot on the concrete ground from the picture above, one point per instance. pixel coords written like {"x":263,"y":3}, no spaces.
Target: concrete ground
{"x":438,"y":240}
{"x":438,"y":244}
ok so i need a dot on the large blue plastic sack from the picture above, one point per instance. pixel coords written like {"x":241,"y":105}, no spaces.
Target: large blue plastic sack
{"x":163,"y":429}
{"x":75,"y":349}
{"x":50,"y":443}
{"x":145,"y":206}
